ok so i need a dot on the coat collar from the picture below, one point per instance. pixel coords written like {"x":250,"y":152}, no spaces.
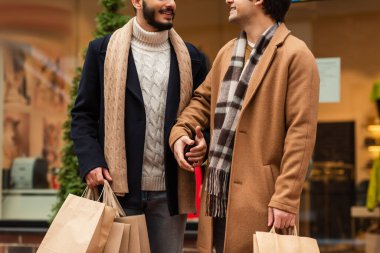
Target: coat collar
{"x":278,"y":39}
{"x":280,"y":35}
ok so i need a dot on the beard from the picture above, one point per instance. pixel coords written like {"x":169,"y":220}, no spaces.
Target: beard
{"x":150,"y":17}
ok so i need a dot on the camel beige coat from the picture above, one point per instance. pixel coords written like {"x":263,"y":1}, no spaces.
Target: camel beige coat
{"x":274,"y":138}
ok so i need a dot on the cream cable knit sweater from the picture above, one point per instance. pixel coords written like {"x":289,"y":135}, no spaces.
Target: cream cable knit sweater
{"x":115,"y":76}
{"x":151,"y":52}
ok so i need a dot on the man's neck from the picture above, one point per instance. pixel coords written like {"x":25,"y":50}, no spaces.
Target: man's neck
{"x":255,"y":29}
{"x":146,"y":37}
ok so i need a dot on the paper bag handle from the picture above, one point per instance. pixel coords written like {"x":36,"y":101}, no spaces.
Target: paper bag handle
{"x":293,"y":229}
{"x":91,"y":193}
{"x":110,"y":199}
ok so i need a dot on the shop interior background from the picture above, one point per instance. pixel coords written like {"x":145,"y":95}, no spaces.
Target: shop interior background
{"x":42,"y":43}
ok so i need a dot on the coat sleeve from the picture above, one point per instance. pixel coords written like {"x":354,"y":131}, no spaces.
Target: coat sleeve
{"x":301,"y":122}
{"x":85,"y":116}
{"x":197,"y":113}
{"x":198,"y":80}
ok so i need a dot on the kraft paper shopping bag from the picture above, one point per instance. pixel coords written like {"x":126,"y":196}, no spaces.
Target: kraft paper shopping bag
{"x":135,"y":240}
{"x":138,"y":238}
{"x":115,"y":237}
{"x":124,"y":247}
{"x":80,"y":226}
{"x":271,"y":242}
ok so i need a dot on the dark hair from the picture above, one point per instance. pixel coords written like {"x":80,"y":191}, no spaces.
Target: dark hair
{"x":277,"y":9}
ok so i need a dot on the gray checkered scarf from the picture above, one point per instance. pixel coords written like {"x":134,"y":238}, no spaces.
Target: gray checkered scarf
{"x":227,"y":112}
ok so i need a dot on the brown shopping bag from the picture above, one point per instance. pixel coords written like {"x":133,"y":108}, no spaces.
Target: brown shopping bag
{"x":124,"y":246}
{"x":135,"y":236}
{"x":118,"y":239}
{"x":80,"y":226}
{"x":271,"y":242}
{"x":115,"y":238}
{"x":138,"y":238}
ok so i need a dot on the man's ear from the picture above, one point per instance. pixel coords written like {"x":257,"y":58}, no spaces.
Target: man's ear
{"x":259,"y":3}
{"x":137,"y":4}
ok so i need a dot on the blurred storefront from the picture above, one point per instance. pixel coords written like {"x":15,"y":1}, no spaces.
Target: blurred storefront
{"x":42,"y":42}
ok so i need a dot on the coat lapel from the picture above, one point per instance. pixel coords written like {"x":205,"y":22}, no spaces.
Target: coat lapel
{"x":133,"y":83}
{"x":279,"y":37}
{"x":173,"y":95}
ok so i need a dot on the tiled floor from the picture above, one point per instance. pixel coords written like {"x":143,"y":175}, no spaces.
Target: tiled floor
{"x":27,"y":245}
{"x":189,"y":247}
{"x":9,"y":248}
{"x":28,"y":242}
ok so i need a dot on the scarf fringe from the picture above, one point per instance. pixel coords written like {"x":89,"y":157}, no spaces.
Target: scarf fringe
{"x":217,"y":193}
{"x":216,"y":206}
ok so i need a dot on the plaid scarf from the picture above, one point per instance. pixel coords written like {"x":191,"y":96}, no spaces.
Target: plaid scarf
{"x":227,"y":112}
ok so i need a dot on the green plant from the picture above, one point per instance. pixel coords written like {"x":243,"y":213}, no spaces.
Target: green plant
{"x":375,"y":93}
{"x":107,"y":21}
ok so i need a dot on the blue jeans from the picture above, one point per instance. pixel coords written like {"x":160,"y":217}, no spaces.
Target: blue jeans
{"x":165,"y":232}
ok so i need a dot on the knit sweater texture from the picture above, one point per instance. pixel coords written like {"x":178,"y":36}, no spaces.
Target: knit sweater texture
{"x":151,"y":52}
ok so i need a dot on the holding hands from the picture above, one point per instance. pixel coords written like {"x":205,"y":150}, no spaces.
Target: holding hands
{"x":195,"y":155}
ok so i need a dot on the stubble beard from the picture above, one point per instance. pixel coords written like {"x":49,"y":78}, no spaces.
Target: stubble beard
{"x":150,"y":17}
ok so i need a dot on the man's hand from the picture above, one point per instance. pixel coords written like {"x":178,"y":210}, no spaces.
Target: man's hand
{"x":280,"y":219}
{"x":96,"y":177}
{"x":195,"y":155}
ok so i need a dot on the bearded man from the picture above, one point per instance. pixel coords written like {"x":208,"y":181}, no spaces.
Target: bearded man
{"x":134,"y":84}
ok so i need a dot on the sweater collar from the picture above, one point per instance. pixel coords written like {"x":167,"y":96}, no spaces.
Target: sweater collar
{"x":153,"y":38}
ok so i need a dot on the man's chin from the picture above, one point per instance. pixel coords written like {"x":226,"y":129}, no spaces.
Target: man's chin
{"x":232,"y":19}
{"x":162,"y":26}
{"x":166,"y":23}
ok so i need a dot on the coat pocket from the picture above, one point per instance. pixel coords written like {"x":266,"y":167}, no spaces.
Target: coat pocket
{"x":269,"y":180}
{"x":275,"y":172}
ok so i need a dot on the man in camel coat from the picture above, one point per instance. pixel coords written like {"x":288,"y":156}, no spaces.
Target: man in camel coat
{"x":260,"y":100}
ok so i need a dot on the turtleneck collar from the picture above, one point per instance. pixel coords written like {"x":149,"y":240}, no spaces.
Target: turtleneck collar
{"x":153,"y":38}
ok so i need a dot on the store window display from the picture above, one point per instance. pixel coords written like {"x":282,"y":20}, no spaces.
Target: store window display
{"x":34,"y":108}
{"x":35,"y":102}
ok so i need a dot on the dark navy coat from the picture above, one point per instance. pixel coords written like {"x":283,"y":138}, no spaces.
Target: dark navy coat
{"x":87,"y":128}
